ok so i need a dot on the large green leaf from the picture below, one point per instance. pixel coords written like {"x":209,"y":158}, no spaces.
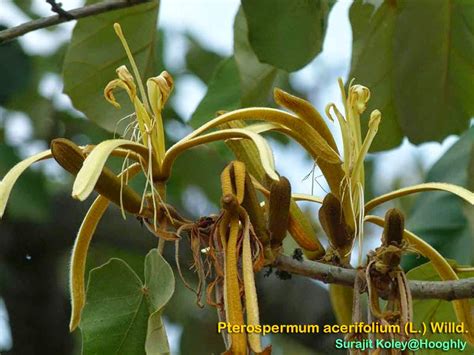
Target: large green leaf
{"x":201,"y":61}
{"x":439,"y":217}
{"x":435,"y":311}
{"x":372,"y":66}
{"x":256,"y":79}
{"x":95,"y":52}
{"x":420,"y":79}
{"x":287,"y":34}
{"x":434,"y":95}
{"x":223,"y":93}
{"x":122,"y":315}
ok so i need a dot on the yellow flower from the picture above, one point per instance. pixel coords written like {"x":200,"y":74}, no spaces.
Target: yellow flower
{"x":146,"y":148}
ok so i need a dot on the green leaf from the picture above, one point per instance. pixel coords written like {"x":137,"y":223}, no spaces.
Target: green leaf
{"x":434,"y":72}
{"x":159,"y":280}
{"x":256,"y":79}
{"x":438,"y":217}
{"x":201,"y":61}
{"x":122,"y":315}
{"x":373,"y":66}
{"x":431,"y":311}
{"x":115,"y":316}
{"x":287,"y":34}
{"x":223,"y":93}
{"x":422,"y":87}
{"x":95,"y":52}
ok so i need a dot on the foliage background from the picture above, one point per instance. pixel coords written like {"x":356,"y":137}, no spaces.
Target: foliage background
{"x":421,"y":81}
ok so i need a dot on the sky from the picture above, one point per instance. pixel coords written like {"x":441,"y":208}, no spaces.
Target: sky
{"x":211,"y":21}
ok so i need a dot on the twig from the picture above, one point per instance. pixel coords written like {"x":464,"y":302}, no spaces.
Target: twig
{"x":90,"y":10}
{"x":57,"y":8}
{"x":445,"y":290}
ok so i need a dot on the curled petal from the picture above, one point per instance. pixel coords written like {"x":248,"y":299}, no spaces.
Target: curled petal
{"x":307,"y":112}
{"x":11,"y":177}
{"x":114,"y":84}
{"x":292,"y":125}
{"x":92,"y":168}
{"x":429,"y":186}
{"x":233,"y":303}
{"x":126,"y":77}
{"x":78,"y":259}
{"x":266,"y":155}
{"x":251,"y":301}
{"x":80,"y":250}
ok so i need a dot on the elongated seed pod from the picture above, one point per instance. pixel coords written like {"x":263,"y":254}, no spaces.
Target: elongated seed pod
{"x":71,"y":158}
{"x":332,"y":220}
{"x":279,"y":210}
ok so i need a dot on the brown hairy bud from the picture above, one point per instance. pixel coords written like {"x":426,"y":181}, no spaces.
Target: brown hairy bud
{"x":279,"y":210}
{"x":332,"y":220}
{"x":390,"y":253}
{"x":394,"y":226}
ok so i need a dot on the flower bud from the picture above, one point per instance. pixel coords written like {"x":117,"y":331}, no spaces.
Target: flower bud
{"x":358,"y":97}
{"x":159,"y":90}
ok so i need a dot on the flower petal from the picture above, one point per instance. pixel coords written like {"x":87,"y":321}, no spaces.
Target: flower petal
{"x":79,"y":256}
{"x":251,"y":301}
{"x":6,"y":185}
{"x":429,"y":186}
{"x":80,"y":250}
{"x":114,"y":84}
{"x":266,"y":155}
{"x":307,"y":112}
{"x":306,"y":197}
{"x":90,"y":172}
{"x":296,"y":128}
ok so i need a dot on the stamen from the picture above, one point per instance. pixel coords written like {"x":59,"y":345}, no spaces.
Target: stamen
{"x":120,"y":35}
{"x":119,"y":122}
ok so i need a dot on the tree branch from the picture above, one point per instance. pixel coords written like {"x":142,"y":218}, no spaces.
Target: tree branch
{"x":446,"y":290}
{"x":90,"y":10}
{"x":57,"y":8}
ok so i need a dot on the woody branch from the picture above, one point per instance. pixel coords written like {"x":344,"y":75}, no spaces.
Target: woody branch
{"x":446,"y":290}
{"x":85,"y":11}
